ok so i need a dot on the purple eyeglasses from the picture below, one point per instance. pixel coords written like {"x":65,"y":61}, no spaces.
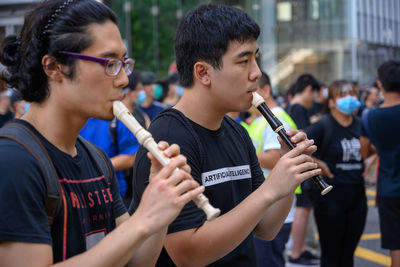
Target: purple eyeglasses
{"x":112,"y":66}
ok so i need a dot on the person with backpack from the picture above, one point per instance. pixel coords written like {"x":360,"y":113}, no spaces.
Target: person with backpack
{"x":216,"y":55}
{"x":69,"y":61}
{"x":340,"y":215}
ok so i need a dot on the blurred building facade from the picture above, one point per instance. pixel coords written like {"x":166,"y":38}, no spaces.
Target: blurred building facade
{"x":332,"y":39}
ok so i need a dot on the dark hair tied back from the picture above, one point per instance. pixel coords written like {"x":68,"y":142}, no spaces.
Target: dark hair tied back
{"x":52,"y":26}
{"x":53,"y":17}
{"x":10,"y":56}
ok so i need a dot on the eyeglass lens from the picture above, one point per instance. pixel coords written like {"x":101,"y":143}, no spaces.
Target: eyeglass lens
{"x":113,"y":66}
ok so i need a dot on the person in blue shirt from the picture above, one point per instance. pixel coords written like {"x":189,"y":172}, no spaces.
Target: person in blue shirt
{"x":118,"y":143}
{"x":381,"y":126}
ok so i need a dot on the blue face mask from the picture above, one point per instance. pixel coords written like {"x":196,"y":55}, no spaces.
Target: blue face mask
{"x":141,"y":98}
{"x":348,"y":104}
{"x":157,"y":91}
{"x":179,"y":90}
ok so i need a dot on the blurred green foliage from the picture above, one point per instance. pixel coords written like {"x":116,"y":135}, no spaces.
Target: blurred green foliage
{"x":148,"y":31}
{"x":153,"y":36}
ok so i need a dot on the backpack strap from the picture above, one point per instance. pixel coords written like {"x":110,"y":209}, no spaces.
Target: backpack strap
{"x":185,"y":121}
{"x":100,"y":159}
{"x":27,"y":138}
{"x":112,"y":128}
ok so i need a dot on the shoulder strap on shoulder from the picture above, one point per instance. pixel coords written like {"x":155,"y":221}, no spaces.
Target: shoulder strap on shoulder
{"x":24,"y":136}
{"x":100,"y":159}
{"x":185,"y":121}
{"x":236,"y":127}
{"x":112,"y":128}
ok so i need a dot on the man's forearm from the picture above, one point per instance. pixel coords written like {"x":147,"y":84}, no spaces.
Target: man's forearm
{"x":274,"y":218}
{"x":215,"y":239}
{"x":148,"y":253}
{"x":122,"y":162}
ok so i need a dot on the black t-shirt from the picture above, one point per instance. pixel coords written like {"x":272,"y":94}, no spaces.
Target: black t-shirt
{"x":315,"y":109}
{"x":89,"y":208}
{"x":342,"y":152}
{"x":300,"y":115}
{"x":384,"y":125}
{"x":224,"y":161}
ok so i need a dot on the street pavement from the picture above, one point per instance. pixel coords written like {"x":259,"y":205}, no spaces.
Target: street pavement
{"x":369,"y":252}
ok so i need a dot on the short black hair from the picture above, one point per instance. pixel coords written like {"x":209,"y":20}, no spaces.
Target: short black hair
{"x":389,"y":75}
{"x":305,"y":80}
{"x":134,"y":79}
{"x":205,"y":33}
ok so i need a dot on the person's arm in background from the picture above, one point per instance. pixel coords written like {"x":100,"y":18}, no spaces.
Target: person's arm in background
{"x":269,"y":158}
{"x":127,"y":148}
{"x":271,"y":149}
{"x":122,"y":162}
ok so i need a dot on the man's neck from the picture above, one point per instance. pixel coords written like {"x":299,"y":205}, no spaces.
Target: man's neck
{"x":270,"y":102}
{"x":147,"y":102}
{"x":199,"y":108}
{"x":298,"y":99}
{"x":56,"y":125}
{"x":391,"y":99}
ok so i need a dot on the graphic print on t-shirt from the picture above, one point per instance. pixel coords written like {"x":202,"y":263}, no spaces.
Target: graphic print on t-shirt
{"x":225,"y":174}
{"x":351,"y":152}
{"x":89,"y":202}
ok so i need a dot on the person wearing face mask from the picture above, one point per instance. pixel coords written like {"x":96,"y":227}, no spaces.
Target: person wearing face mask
{"x":173,"y":90}
{"x":340,"y":220}
{"x":134,"y":96}
{"x":153,"y":92}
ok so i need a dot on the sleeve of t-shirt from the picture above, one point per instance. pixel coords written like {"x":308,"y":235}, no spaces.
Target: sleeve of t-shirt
{"x":315,"y":131}
{"x":127,"y":142}
{"x":270,"y":139}
{"x":23,"y":193}
{"x":169,"y":129}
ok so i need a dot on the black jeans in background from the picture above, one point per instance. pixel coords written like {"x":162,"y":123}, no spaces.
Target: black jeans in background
{"x":340,"y":216}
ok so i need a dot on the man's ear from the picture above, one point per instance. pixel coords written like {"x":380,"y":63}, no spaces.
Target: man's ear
{"x":267,"y":89}
{"x":308,"y":89}
{"x":52,"y":68}
{"x":379,"y":84}
{"x":201,"y":72}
